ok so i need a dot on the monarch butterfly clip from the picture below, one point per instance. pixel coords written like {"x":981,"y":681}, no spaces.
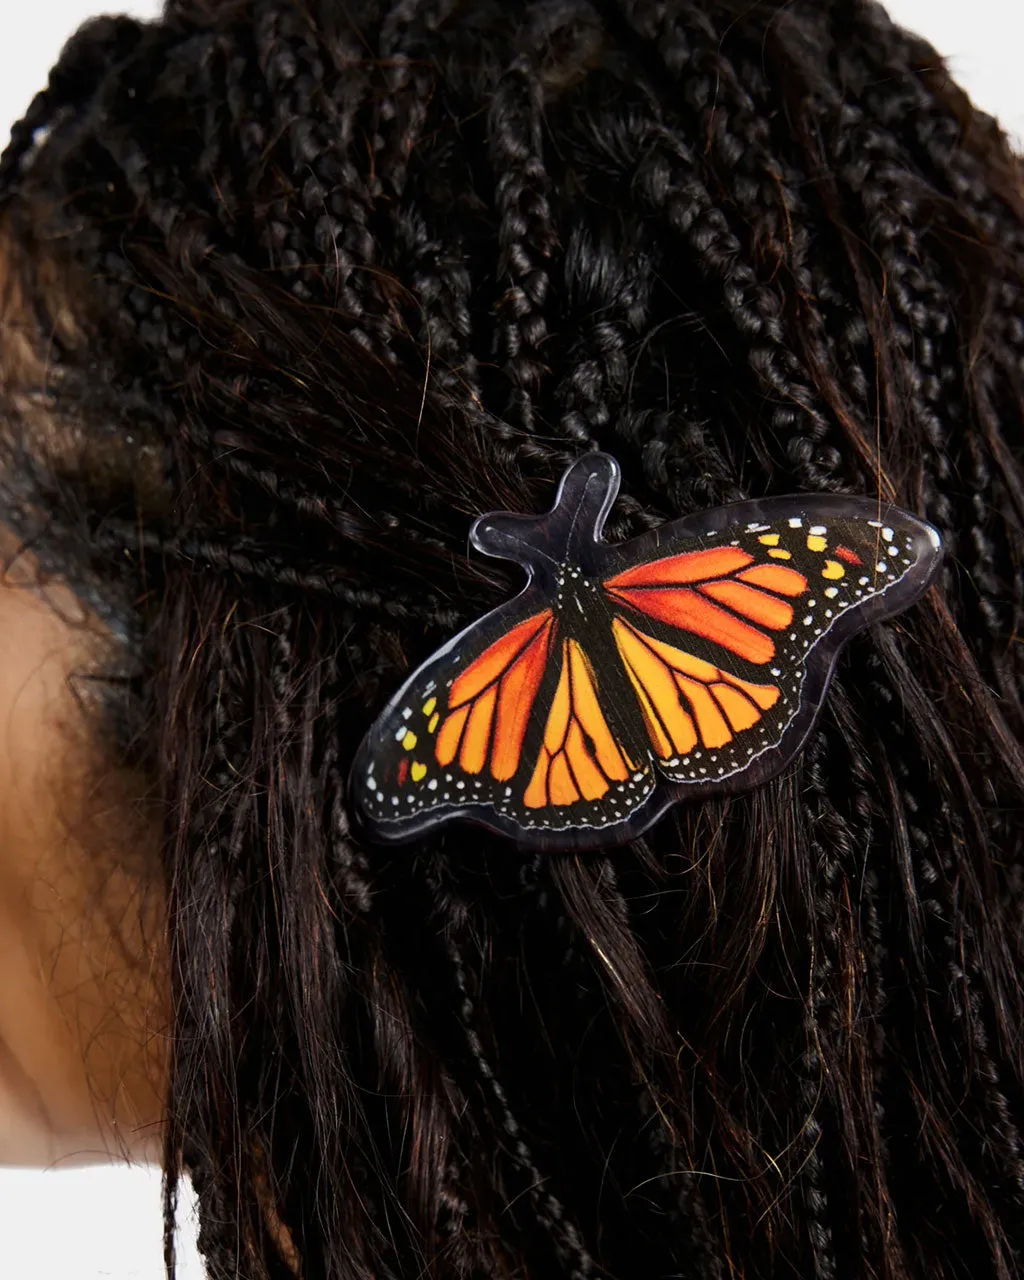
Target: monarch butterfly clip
{"x":624,"y":678}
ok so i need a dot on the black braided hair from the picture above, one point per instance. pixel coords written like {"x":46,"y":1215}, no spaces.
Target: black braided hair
{"x":292,"y":293}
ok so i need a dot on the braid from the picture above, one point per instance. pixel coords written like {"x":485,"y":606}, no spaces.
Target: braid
{"x":438,"y":271}
{"x":357,"y":274}
{"x":410,"y":84}
{"x":526,"y":235}
{"x":95,"y":52}
{"x":671,"y":182}
{"x":872,"y":885}
{"x":940,"y":882}
{"x":348,"y":865}
{"x":248,"y":559}
{"x":565,"y":1235}
{"x":612,"y":282}
{"x":934,"y":137}
{"x":829,"y":840}
{"x":23,"y":136}
{"x":922,"y":302}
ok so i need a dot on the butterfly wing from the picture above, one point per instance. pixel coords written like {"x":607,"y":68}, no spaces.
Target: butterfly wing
{"x":507,"y":728}
{"x":624,"y":677}
{"x":728,"y":633}
{"x":585,"y":774}
{"x":452,"y":739}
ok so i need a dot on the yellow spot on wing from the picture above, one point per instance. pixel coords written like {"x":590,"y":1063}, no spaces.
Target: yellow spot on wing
{"x":418,"y":771}
{"x":428,"y":706}
{"x":777,"y":553}
{"x":769,"y":539}
{"x":833,"y":569}
{"x":816,"y":543}
{"x":433,"y":722}
{"x":409,"y":741}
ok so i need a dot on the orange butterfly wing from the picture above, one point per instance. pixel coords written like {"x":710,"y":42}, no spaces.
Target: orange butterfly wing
{"x":490,"y":702}
{"x":730,"y":604}
{"x":690,"y":656}
{"x":520,"y":727}
{"x":687,"y":702}
{"x":721,"y":594}
{"x":579,"y":758}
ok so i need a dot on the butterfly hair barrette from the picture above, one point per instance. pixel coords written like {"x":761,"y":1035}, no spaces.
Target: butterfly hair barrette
{"x":627,"y":677}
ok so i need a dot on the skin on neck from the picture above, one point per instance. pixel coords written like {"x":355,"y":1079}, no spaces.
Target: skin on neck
{"x":83,"y":1005}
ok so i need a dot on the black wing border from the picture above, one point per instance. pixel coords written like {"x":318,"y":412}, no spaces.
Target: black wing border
{"x":560,"y":532}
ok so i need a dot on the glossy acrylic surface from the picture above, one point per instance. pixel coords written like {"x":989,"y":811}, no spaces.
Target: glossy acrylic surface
{"x":625,"y":678}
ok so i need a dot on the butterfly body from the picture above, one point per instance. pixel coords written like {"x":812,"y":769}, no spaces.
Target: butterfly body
{"x":626,"y":677}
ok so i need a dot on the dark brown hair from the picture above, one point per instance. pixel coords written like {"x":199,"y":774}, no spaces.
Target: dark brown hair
{"x":294,"y":291}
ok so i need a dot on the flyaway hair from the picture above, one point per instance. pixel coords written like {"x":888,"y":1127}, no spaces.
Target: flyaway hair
{"x":291,"y":294}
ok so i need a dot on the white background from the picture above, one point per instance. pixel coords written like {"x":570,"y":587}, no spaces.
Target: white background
{"x":84,"y":1224}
